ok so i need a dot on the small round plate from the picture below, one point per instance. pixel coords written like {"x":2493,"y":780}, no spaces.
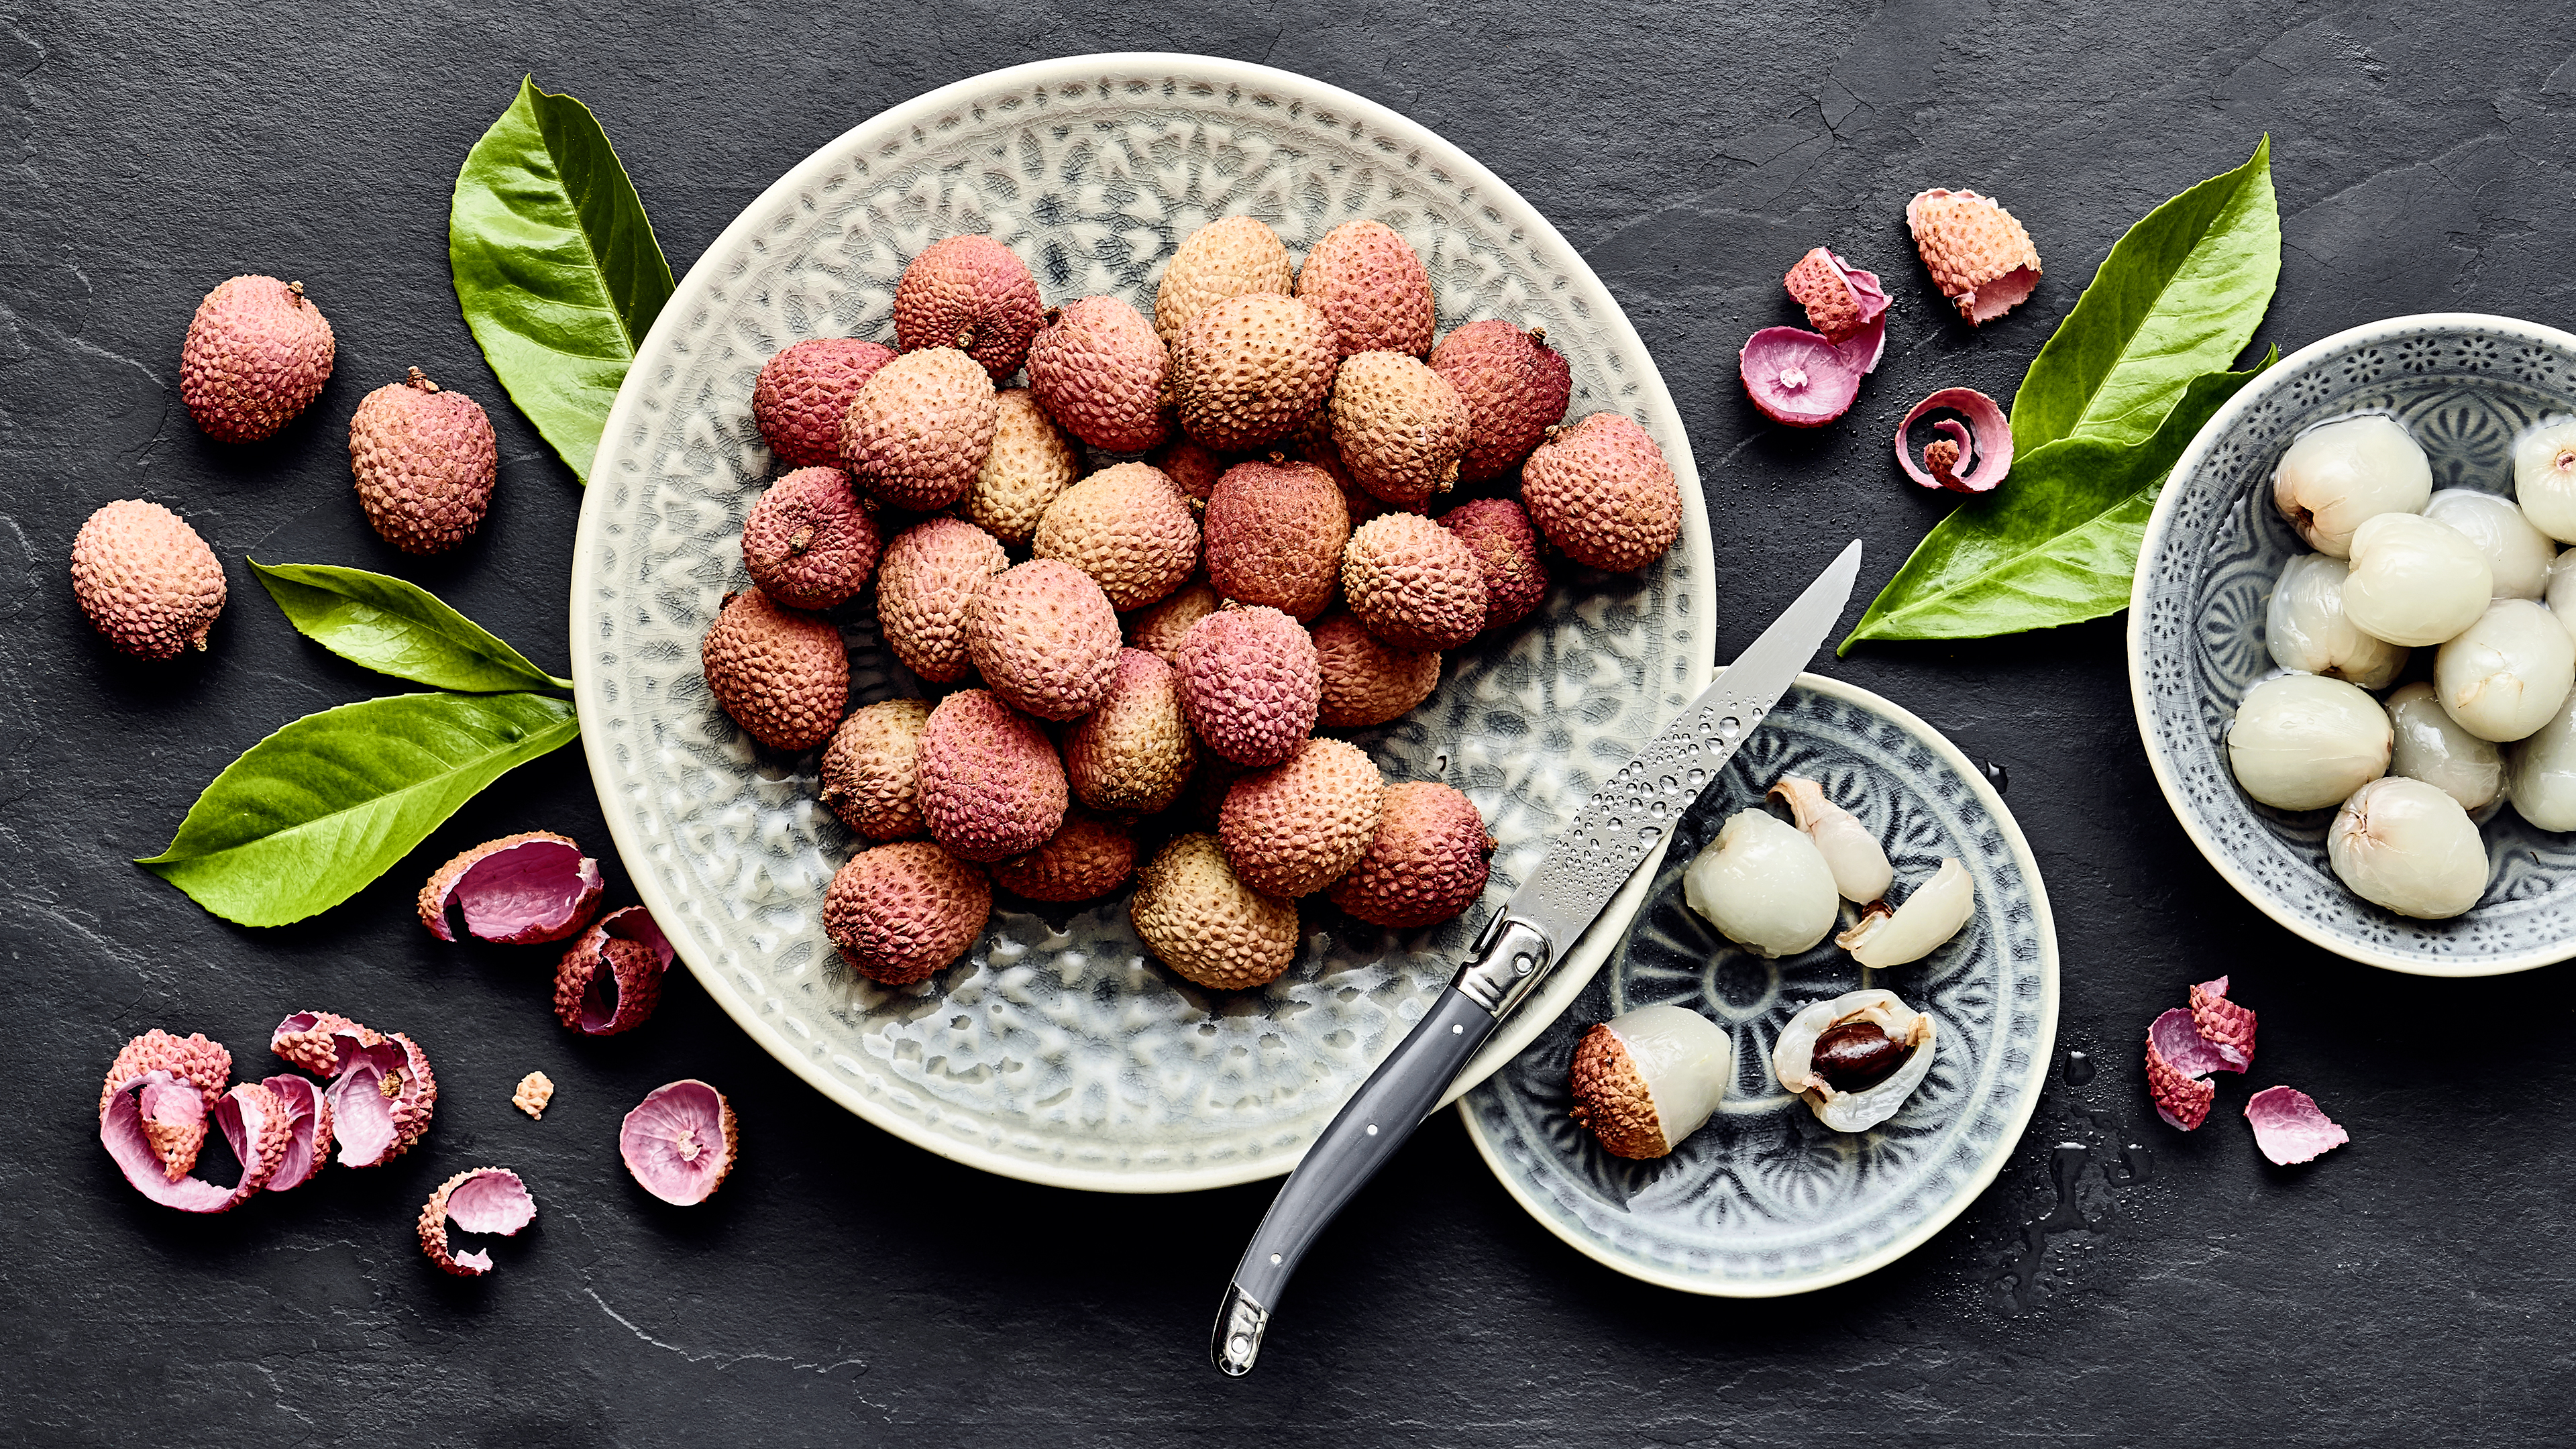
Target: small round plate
{"x":1766,"y":1200}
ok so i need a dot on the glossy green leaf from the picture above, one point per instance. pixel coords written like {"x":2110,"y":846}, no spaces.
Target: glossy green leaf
{"x":555,"y":265}
{"x":308,"y":816}
{"x":396,"y":627}
{"x":2179,"y":296}
{"x":2055,"y":545}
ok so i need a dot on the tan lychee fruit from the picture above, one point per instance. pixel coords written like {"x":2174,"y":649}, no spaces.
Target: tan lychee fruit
{"x":1414,"y":584}
{"x":917,"y":433}
{"x":1369,"y":283}
{"x":1044,"y":638}
{"x":425,"y":461}
{"x":1223,"y":259}
{"x":1030,"y":463}
{"x":1602,"y":492}
{"x":1198,"y":918}
{"x":1292,"y":829}
{"x":989,"y":782}
{"x":1979,"y":256}
{"x":257,"y":353}
{"x":1365,"y":680}
{"x":1128,"y":528}
{"x":781,"y":673}
{"x":973,"y":294}
{"x":1100,"y":368}
{"x":1400,"y":427}
{"x":1515,"y":386}
{"x":869,"y":776}
{"x":1087,"y":858}
{"x":1275,"y":533}
{"x":1249,"y":684}
{"x":146,"y":580}
{"x":1426,"y":864}
{"x":1191,"y":465}
{"x":807,"y":542}
{"x":1158,"y":630}
{"x":1132,"y":753}
{"x":804,"y":391}
{"x":1507,"y":550}
{"x":1251,"y":369}
{"x":927,"y":581}
{"x":902,"y":912}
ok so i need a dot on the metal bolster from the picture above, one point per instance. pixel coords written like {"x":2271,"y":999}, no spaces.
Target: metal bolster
{"x":1512,"y":957}
{"x":1237,"y":1343}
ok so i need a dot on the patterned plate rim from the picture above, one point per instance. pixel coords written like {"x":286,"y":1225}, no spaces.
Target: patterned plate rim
{"x":2151,"y":549}
{"x":1939,"y":1215}
{"x":691,"y":293}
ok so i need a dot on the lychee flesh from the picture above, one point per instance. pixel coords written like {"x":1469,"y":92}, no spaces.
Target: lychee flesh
{"x":257,"y":353}
{"x":425,"y":461}
{"x":1507,"y":550}
{"x":971,"y":293}
{"x":868,"y":775}
{"x":1128,"y":528}
{"x":1370,"y":284}
{"x":1426,"y":864}
{"x":1249,"y":684}
{"x":808,"y":543}
{"x":1251,"y":369}
{"x":990,"y":784}
{"x":1045,"y":638}
{"x":918,"y":431}
{"x":1413,"y":583}
{"x":926,"y":583}
{"x":781,"y":673}
{"x":1515,"y":386}
{"x":1101,"y":370}
{"x":805,"y":390}
{"x":146,"y":580}
{"x":1231,"y":257}
{"x":900,"y":913}
{"x":1201,"y":920}
{"x":1602,"y":492}
{"x":1292,"y":829}
{"x":1366,"y":681}
{"x":1274,"y":535}
{"x":1401,"y":427}
{"x":1132,"y":753}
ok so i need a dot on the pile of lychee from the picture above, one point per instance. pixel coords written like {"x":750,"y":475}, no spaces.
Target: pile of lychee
{"x":1275,"y":541}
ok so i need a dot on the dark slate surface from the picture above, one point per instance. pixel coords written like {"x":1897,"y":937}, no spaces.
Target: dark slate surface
{"x":846,"y":1287}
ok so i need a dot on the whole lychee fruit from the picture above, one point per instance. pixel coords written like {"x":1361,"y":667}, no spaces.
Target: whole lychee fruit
{"x":257,"y":353}
{"x":1030,"y":463}
{"x":804,"y":391}
{"x":1250,"y":369}
{"x":1249,"y":685}
{"x":1507,"y":550}
{"x":1426,"y":864}
{"x":917,"y":433}
{"x":1200,"y":919}
{"x":1275,"y":533}
{"x":1191,"y":465}
{"x":1159,"y":629}
{"x":1313,"y":443}
{"x":1293,"y":829}
{"x":901,"y":912}
{"x":1100,"y":368}
{"x":1369,"y":283}
{"x":1400,"y":427}
{"x":868,"y":774}
{"x":1087,"y":858}
{"x":1227,"y":258}
{"x":1045,"y":638}
{"x":781,"y":673}
{"x":425,"y":461}
{"x":146,"y":580}
{"x":1132,"y":753}
{"x":1413,"y":583}
{"x":1365,"y":680}
{"x":971,"y":293}
{"x":1128,"y":528}
{"x":925,"y":585}
{"x":990,"y":784}
{"x":1514,"y":385}
{"x":1602,"y":492}
{"x":807,"y":542}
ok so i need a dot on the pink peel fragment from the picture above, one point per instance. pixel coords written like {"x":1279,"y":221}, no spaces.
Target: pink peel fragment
{"x":680,"y":1141}
{"x":381,"y":1101}
{"x":2226,"y":1026}
{"x":1798,"y":378}
{"x":1984,"y":442}
{"x":1844,"y":304}
{"x":2290,"y":1127}
{"x":516,"y":891}
{"x":308,"y":1130}
{"x":318,"y":1040}
{"x":251,"y":1118}
{"x":481,"y":1200}
{"x":2178,"y":1062}
{"x":611,"y":979}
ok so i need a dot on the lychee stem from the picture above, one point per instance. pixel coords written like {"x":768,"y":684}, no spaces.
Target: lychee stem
{"x":1538,"y":334}
{"x":295,"y":293}
{"x":801,"y":540}
{"x":420,"y":380}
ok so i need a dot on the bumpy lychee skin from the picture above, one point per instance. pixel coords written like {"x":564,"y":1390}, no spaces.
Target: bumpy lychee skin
{"x":1191,"y":465}
{"x":868,"y":776}
{"x":971,"y":293}
{"x":425,"y":461}
{"x":1414,"y":584}
{"x":1427,"y":863}
{"x":1602,"y":492}
{"x":917,"y":433}
{"x":1275,"y":533}
{"x":1030,"y":463}
{"x":1313,"y":443}
{"x":1515,"y":386}
{"x":1223,"y":259}
{"x":808,"y":543}
{"x":1128,"y":528}
{"x":1251,"y":369}
{"x":1612,"y":1099}
{"x":1200,"y":919}
{"x":1507,"y":550}
{"x":1292,"y":829}
{"x":1045,"y":639}
{"x":1400,"y":426}
{"x":1101,"y":369}
{"x":990,"y":784}
{"x":257,"y":353}
{"x":1131,"y":755}
{"x":1370,"y":283}
{"x":1249,"y":685}
{"x":146,"y":580}
{"x":927,"y":581}
{"x":1158,"y":630}
{"x":902,"y":912}
{"x":1365,"y":680}
{"x":805,"y":390}
{"x":781,"y":673}
{"x":1087,"y":858}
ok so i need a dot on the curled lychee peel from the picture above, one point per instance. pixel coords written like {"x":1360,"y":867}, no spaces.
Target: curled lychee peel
{"x":611,"y":979}
{"x":480,"y":1200}
{"x":321,"y":1042}
{"x":381,"y":1101}
{"x":308,"y":1129}
{"x":680,"y":1141}
{"x":1979,"y":256}
{"x":518,"y":890}
{"x":1969,"y":457}
{"x":249,"y":1115}
{"x":2226,"y":1026}
{"x":2290,"y":1127}
{"x":1843,"y":303}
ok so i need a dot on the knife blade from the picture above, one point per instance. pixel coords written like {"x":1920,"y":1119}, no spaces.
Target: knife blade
{"x":1611,"y":836}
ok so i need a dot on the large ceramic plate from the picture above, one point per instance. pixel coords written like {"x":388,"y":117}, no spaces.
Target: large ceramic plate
{"x":2463,"y":384}
{"x":1765,"y":1199}
{"x":1056,"y":1051}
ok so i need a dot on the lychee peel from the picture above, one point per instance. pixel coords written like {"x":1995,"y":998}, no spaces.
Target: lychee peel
{"x":1969,"y":457}
{"x":1515,"y":387}
{"x":480,"y":1200}
{"x":1798,"y":378}
{"x":251,"y":1118}
{"x":518,"y":890}
{"x":808,"y":543}
{"x":1100,"y":369}
{"x":679,"y":1142}
{"x":176,"y":1081}
{"x":971,"y":293}
{"x":1045,"y":638}
{"x":146,"y":580}
{"x":321,"y":1042}
{"x":425,"y":461}
{"x":1603,"y":493}
{"x":925,"y":586}
{"x":382,"y":1101}
{"x":1249,"y":683}
{"x":991,"y":785}
{"x":805,"y":390}
{"x":1844,"y":304}
{"x":308,"y":1130}
{"x":611,"y":979}
{"x":901,"y":913}
{"x":1979,"y":256}
{"x":257,"y":353}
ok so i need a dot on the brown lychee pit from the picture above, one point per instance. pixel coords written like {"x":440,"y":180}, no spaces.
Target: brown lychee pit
{"x":1856,"y":1055}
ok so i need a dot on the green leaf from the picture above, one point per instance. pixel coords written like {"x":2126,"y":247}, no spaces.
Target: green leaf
{"x":555,"y":265}
{"x":2179,"y":296}
{"x":396,"y":627}
{"x":2055,"y":546}
{"x":308,"y":816}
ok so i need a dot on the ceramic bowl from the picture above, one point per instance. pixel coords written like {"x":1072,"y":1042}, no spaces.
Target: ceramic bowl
{"x":2463,"y":384}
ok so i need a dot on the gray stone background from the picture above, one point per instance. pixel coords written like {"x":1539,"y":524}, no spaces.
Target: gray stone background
{"x":845,"y":1287}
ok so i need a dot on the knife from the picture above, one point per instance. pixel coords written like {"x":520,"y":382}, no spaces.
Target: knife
{"x":1613,"y":833}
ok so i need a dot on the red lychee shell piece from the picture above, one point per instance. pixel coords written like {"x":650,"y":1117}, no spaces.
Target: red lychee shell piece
{"x":321,"y":1042}
{"x":1797,"y":377}
{"x":1980,"y":257}
{"x":1984,"y":442}
{"x":204,"y":1064}
{"x":251,"y":1118}
{"x":518,"y":890}
{"x":180,"y":1081}
{"x":611,"y":979}
{"x":2227,"y":1026}
{"x":2182,"y":1094}
{"x":308,"y":1130}
{"x":680,"y":1142}
{"x":971,"y":293}
{"x":2290,"y":1127}
{"x":804,"y":391}
{"x":481,"y":1200}
{"x":374,"y":1128}
{"x":1842,"y":301}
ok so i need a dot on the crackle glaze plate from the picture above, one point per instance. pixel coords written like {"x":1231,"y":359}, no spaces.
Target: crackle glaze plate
{"x":2463,"y":384}
{"x":1056,"y":1051}
{"x":1766,"y":1200}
